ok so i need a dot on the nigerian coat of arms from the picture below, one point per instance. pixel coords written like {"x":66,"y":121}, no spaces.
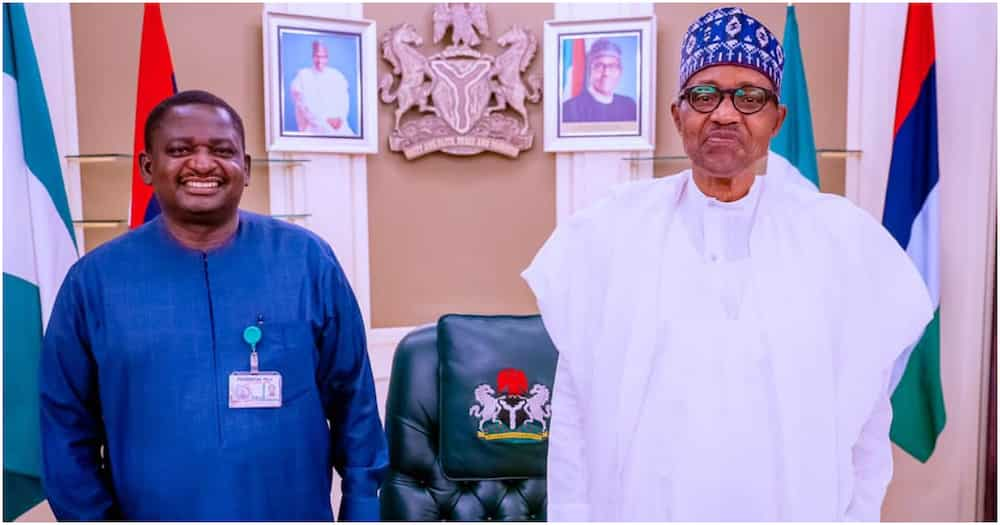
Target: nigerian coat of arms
{"x":468,"y":101}
{"x":511,"y":412}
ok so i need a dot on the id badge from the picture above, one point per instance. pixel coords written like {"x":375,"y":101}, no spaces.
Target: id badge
{"x":255,"y":390}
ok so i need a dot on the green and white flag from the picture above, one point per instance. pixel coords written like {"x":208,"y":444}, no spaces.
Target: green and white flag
{"x":795,"y":143}
{"x":39,"y":247}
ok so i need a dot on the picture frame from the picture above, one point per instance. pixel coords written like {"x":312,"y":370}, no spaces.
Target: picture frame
{"x":600,"y":84}
{"x":319,"y":84}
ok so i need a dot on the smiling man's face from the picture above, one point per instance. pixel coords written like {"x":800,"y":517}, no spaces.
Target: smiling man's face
{"x":725,"y":142}
{"x":196,"y":165}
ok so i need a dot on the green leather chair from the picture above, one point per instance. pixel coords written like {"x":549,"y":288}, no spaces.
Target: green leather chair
{"x":467,"y":421}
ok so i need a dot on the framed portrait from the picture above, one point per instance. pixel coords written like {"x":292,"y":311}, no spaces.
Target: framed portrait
{"x":600,"y":84}
{"x":319,"y":84}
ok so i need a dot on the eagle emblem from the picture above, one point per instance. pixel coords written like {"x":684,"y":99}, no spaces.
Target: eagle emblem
{"x":465,"y":20}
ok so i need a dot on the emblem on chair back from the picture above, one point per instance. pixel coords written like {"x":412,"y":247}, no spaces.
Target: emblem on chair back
{"x":514,"y":415}
{"x":453,"y":89}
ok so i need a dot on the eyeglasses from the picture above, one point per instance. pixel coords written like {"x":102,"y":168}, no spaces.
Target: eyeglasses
{"x":602,"y":67}
{"x":747,"y":99}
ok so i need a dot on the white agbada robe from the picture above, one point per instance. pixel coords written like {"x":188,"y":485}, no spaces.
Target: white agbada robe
{"x":324,"y":95}
{"x":723,"y":361}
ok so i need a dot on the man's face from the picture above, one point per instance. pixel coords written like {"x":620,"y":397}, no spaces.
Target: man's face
{"x":605,"y":72}
{"x":196,"y":165}
{"x":726,"y":142}
{"x":320,"y":59}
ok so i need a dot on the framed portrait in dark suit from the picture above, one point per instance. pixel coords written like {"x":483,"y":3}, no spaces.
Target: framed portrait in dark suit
{"x":599,"y":77}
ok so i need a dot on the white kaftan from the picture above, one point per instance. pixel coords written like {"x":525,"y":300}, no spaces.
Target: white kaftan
{"x":323,"y":95}
{"x":723,"y":361}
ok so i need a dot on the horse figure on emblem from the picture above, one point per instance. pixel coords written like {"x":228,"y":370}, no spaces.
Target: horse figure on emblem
{"x":508,"y":87}
{"x":416,"y":77}
{"x":488,"y":408}
{"x":538,"y":407}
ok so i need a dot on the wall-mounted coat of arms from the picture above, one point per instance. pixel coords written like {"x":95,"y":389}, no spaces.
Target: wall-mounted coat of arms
{"x":468,"y":101}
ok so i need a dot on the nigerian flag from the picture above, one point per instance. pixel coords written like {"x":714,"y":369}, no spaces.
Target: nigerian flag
{"x":795,"y":142}
{"x":39,"y":248}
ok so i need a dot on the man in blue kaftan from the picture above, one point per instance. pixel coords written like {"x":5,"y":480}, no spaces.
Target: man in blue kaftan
{"x":151,"y":407}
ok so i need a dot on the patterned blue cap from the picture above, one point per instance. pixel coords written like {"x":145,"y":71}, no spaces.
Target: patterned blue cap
{"x":729,"y":36}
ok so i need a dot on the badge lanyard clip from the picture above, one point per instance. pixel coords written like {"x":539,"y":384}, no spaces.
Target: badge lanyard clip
{"x":252,"y":336}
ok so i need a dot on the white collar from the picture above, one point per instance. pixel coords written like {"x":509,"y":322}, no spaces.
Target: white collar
{"x":719,"y":229}
{"x":603,"y":99}
{"x":746,"y":201}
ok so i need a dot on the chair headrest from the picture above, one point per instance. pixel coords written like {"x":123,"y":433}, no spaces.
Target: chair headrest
{"x":496,"y":377}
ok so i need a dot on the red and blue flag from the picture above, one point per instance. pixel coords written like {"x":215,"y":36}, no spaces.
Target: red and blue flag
{"x":156,"y":82}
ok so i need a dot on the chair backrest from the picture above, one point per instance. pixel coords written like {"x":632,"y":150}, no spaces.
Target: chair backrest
{"x":485,"y":380}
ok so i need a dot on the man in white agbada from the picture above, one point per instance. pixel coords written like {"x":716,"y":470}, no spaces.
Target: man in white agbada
{"x":726,"y":341}
{"x":321,"y":97}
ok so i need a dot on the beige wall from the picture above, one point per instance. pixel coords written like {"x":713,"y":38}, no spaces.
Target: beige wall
{"x":823,"y":31}
{"x":214,"y":47}
{"x":452,"y":234}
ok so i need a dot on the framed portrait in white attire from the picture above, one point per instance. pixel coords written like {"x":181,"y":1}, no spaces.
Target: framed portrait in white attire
{"x":319,"y":84}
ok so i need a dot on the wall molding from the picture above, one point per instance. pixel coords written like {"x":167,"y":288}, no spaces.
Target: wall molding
{"x":331,"y":189}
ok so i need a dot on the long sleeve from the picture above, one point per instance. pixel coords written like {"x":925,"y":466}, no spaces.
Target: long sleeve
{"x":551,"y":276}
{"x":872,"y":462}
{"x":567,"y":469}
{"x":358,"y":444}
{"x":75,"y":478}
{"x":888,"y":310}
